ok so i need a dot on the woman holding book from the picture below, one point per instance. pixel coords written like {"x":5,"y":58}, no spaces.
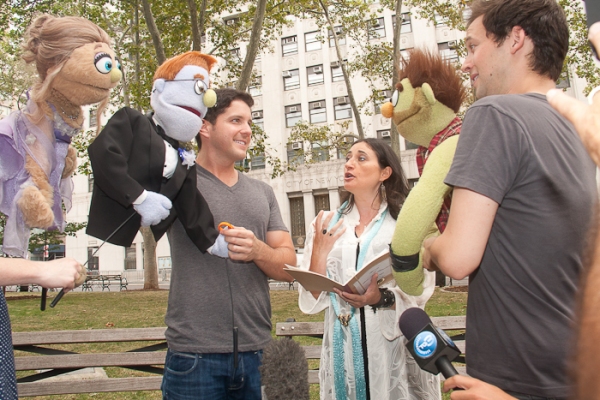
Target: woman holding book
{"x":363,"y":354}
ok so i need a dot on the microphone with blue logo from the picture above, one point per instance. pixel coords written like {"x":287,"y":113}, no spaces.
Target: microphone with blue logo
{"x":431,"y":348}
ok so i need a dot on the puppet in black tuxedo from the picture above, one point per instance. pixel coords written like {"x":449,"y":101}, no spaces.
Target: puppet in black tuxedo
{"x":140,"y":170}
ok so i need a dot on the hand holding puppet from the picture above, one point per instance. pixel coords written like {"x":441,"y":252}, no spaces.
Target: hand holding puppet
{"x":141,"y":175}
{"x":76,"y":67}
{"x":423,"y":108}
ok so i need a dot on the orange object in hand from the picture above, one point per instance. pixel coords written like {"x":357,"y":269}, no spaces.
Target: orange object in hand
{"x":225,"y":225}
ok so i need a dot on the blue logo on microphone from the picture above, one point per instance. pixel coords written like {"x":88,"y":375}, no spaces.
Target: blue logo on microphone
{"x":425,"y":344}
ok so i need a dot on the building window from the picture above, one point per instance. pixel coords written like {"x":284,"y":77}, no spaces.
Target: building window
{"x":341,"y":107}
{"x":385,"y":135}
{"x":344,"y":147}
{"x":318,"y":112}
{"x":376,"y":28}
{"x":130,"y":257}
{"x":90,"y":183}
{"x":258,"y":120}
{"x":448,"y":51}
{"x":321,"y":202}
{"x":320,"y":152}
{"x":336,"y":72}
{"x":289,"y":45}
{"x":235,"y":53}
{"x":386,"y":94}
{"x":340,"y":36}
{"x":295,"y":153}
{"x":297,"y":221}
{"x":440,"y":20}
{"x":93,"y":115}
{"x":257,"y":161}
{"x":312,"y":41}
{"x":406,"y":25}
{"x":93,"y":263}
{"x":293,"y":114}
{"x":255,"y":89}
{"x":291,"y":79}
{"x":315,"y":75}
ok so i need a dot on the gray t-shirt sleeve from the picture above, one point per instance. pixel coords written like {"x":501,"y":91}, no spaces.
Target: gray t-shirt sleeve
{"x":487,"y":158}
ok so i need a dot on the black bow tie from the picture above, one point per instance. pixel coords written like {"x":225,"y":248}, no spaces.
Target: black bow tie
{"x":170,"y":140}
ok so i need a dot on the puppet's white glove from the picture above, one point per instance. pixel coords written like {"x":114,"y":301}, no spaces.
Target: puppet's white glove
{"x":219,"y":249}
{"x":154,"y":208}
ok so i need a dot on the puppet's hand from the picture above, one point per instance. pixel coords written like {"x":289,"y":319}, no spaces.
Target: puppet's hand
{"x":153,"y":209}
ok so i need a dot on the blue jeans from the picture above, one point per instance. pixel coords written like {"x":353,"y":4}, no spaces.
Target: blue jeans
{"x":211,"y":376}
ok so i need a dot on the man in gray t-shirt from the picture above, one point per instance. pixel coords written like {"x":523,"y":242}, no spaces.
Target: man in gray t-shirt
{"x":211,"y":299}
{"x":522,"y":202}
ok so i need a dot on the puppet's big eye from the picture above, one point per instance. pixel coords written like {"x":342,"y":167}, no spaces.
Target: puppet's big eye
{"x":395,"y":98}
{"x":103,"y":63}
{"x":118,"y":65}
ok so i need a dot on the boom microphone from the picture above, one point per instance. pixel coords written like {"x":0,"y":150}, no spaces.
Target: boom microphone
{"x":284,"y":371}
{"x":431,"y":348}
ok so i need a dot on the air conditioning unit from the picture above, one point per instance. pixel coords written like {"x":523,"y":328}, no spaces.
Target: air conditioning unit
{"x":452,"y":44}
{"x":292,"y":109}
{"x":338,"y":30}
{"x":375,"y":23}
{"x":287,"y":74}
{"x":297,"y":146}
{"x":230,"y":22}
{"x":257,"y":114}
{"x":318,"y":70}
{"x":385,"y":134}
{"x":291,"y":39}
{"x":405,"y":17}
{"x":341,"y":101}
{"x":335,"y":64}
{"x":349,"y":139}
{"x":317,"y":105}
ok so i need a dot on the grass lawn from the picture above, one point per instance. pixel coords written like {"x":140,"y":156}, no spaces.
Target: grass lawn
{"x":141,"y":309}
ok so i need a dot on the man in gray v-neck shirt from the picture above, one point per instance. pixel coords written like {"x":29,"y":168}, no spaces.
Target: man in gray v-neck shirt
{"x":209,"y":296}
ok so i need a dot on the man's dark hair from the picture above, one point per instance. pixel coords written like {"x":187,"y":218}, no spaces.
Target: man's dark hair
{"x":543,"y":21}
{"x":224,"y":99}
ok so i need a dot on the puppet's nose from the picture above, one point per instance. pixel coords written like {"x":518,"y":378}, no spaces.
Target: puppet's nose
{"x":115,"y":75}
{"x":387,"y":110}
{"x":210,"y":98}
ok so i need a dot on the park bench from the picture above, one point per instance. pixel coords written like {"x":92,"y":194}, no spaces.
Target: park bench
{"x":103,"y":281}
{"x":315,"y":329}
{"x":50,"y":361}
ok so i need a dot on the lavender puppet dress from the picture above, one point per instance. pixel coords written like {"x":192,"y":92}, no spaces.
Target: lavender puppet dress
{"x":47,"y":143}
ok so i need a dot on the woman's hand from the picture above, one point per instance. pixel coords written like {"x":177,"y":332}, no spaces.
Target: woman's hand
{"x":371,"y":296}
{"x":323,"y":241}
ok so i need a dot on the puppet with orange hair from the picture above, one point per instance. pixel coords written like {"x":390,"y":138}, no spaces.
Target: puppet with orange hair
{"x":423,"y":108}
{"x":141,"y":175}
{"x":76,"y":67}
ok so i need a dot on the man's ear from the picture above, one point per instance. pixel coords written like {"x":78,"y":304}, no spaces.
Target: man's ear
{"x":204,"y":129}
{"x":516,"y":39}
{"x":159,"y":85}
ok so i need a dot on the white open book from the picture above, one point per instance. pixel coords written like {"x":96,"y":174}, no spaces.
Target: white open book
{"x":358,"y":284}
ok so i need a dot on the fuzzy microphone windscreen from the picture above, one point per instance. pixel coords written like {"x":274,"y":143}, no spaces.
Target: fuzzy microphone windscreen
{"x":284,"y":371}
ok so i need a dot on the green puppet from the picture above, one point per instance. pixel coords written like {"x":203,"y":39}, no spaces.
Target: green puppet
{"x":424,"y":108}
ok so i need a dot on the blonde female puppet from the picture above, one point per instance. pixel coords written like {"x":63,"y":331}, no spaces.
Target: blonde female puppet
{"x":76,"y":67}
{"x":424,"y":108}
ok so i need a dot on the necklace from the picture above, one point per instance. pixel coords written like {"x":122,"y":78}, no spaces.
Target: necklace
{"x":61,"y":101}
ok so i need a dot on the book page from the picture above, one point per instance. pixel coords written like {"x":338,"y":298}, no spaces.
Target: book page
{"x":382,"y":266}
{"x":312,"y":281}
{"x":358,"y":284}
